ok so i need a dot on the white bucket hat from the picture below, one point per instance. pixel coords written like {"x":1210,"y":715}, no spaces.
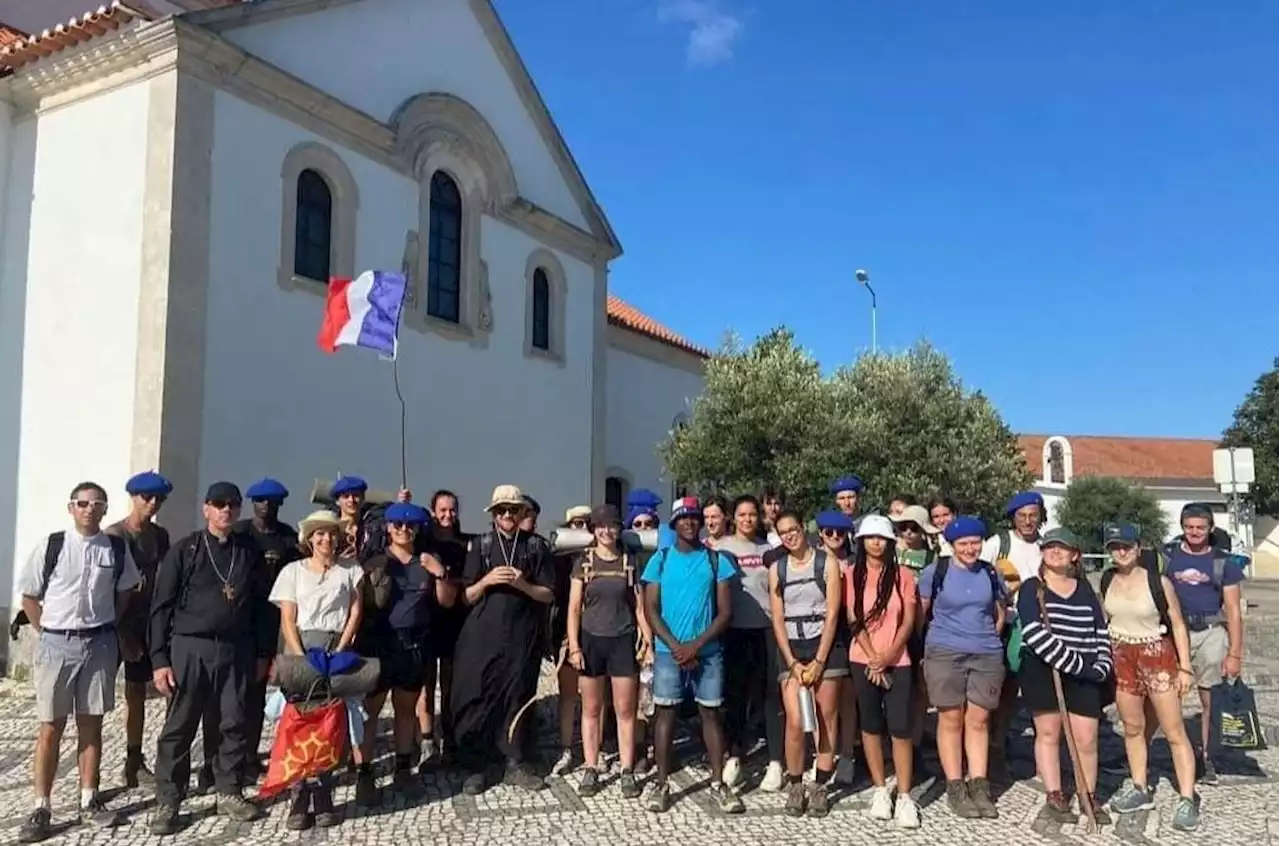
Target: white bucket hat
{"x":317,"y":520}
{"x":875,"y":526}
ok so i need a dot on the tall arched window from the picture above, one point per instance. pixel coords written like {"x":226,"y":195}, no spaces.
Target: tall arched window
{"x":1057,"y":464}
{"x":444,"y":249}
{"x":313,"y":227}
{"x":615,"y":491}
{"x":541,"y":316}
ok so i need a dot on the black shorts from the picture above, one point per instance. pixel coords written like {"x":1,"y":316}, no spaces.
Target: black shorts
{"x":883,"y":711}
{"x":404,"y":657}
{"x":1083,"y":698}
{"x":609,"y":657}
{"x":137,"y":672}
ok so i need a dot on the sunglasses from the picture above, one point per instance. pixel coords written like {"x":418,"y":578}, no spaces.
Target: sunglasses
{"x":222,"y":504}
{"x":508,"y":510}
{"x":909,"y":528}
{"x":577,"y":524}
{"x":271,"y":499}
{"x":157,"y":498}
{"x":644,"y":524}
{"x":835,"y":533}
{"x":401,"y":525}
{"x":85,"y":504}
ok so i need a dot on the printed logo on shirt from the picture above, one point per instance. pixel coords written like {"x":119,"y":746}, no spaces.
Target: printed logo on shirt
{"x":1191,"y":576}
{"x":750,"y":562}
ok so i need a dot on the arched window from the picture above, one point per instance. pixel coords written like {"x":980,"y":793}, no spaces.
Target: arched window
{"x":615,"y":491}
{"x":313,"y":227}
{"x":541,"y":328}
{"x":444,"y":249}
{"x":1057,"y":464}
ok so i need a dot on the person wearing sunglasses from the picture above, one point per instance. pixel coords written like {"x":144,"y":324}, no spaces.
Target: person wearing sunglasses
{"x":509,"y":578}
{"x":148,"y":544}
{"x":578,"y":518}
{"x":916,"y":550}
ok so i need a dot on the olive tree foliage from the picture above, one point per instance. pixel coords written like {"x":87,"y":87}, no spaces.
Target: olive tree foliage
{"x":1257,"y":425}
{"x":903,"y":423}
{"x":1090,"y":502}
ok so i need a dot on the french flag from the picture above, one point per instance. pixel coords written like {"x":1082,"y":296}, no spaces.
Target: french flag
{"x":363,"y":312}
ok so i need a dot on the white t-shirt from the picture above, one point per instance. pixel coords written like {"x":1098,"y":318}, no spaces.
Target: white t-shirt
{"x":82,"y":589}
{"x":1024,"y":555}
{"x":323,"y":598}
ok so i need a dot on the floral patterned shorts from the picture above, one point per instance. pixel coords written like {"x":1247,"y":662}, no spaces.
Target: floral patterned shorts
{"x":1145,"y":668}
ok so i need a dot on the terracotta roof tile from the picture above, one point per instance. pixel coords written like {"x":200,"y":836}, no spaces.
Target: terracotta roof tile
{"x":10,"y":35}
{"x":629,"y":317}
{"x":1187,"y":459}
{"x":23,"y":51}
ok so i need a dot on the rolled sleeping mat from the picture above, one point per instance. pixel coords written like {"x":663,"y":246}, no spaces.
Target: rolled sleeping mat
{"x":322,"y":494}
{"x":566,"y":541}
{"x":296,"y":677}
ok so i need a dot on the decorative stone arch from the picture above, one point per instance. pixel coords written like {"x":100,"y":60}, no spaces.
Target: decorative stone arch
{"x":345,"y":195}
{"x":557,"y":281}
{"x":437,"y":131}
{"x":1056,"y":461}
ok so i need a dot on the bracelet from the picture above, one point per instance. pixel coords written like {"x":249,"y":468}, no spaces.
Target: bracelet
{"x":1185,"y":670}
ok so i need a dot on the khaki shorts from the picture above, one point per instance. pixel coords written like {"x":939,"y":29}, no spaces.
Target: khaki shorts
{"x":954,"y":678}
{"x":75,"y":674}
{"x":1208,"y":650}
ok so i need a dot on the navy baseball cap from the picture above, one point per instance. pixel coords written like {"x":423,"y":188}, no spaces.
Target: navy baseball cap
{"x":1120,"y":534}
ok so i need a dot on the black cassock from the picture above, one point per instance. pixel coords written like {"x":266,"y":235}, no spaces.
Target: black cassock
{"x":499,"y":651}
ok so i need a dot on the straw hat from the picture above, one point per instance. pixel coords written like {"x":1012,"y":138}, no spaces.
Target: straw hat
{"x":918,"y":515}
{"x":506,"y":495}
{"x":322,"y":519}
{"x":578,"y":512}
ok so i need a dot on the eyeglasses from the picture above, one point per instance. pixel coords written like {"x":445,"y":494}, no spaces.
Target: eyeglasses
{"x":790,"y":533}
{"x":223,"y":504}
{"x":508,"y":510}
{"x":644,"y":524}
{"x":86,"y":504}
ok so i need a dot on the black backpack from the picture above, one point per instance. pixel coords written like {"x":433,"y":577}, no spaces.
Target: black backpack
{"x":53,"y":549}
{"x":1155,"y":583}
{"x":940,"y":577}
{"x":713,"y":558}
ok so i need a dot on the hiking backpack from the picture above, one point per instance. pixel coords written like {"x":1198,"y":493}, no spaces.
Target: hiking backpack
{"x":53,"y":549}
{"x":1155,"y":584}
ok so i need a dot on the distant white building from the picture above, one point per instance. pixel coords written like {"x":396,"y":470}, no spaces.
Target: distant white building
{"x":177,"y":180}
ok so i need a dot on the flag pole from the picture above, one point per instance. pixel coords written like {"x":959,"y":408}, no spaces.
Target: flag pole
{"x":404,"y":452}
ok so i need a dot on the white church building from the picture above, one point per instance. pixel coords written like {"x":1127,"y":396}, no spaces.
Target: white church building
{"x":178,"y":178}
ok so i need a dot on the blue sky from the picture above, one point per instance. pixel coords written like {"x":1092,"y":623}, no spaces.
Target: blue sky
{"x":1076,"y":201}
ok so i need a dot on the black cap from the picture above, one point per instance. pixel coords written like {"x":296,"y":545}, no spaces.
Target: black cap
{"x":533,"y":504}
{"x":604,"y":515}
{"x":223,"y":492}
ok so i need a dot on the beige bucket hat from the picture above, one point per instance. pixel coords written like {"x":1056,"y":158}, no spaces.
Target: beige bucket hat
{"x":506,"y":495}
{"x":918,"y":515}
{"x":322,"y":519}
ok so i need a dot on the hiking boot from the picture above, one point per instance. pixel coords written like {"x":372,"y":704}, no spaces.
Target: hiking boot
{"x":643,"y":763}
{"x":845,"y":770}
{"x":1133,"y":799}
{"x":1100,"y":815}
{"x":521,"y":776}
{"x":204,"y":780}
{"x":407,"y":783}
{"x":1186,"y":815}
{"x":38,"y":827}
{"x":797,"y":799}
{"x":881,"y":804}
{"x":237,"y":807}
{"x":727,"y":800}
{"x":367,"y":795}
{"x":959,"y":801}
{"x":136,"y":773}
{"x":98,"y":815}
{"x":590,"y":784}
{"x":733,"y":771}
{"x":980,"y":793}
{"x":905,"y":812}
{"x":164,"y":820}
{"x":773,"y":778}
{"x":299,"y":816}
{"x":474,"y":784}
{"x":1206,"y":772}
{"x":628,"y":785}
{"x":322,"y":805}
{"x":1059,"y":805}
{"x":658,"y":799}
{"x":819,"y":802}
{"x":564,"y":763}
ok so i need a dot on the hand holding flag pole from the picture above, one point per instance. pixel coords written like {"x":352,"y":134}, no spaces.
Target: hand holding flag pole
{"x":365,"y":312}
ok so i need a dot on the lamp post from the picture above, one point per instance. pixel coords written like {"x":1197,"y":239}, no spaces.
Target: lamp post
{"x":864,"y":279}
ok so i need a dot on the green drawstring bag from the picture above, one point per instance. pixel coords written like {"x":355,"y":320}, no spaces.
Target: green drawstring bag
{"x":1013,"y":649}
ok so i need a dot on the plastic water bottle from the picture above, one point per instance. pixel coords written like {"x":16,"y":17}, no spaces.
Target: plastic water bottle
{"x":808,"y":710}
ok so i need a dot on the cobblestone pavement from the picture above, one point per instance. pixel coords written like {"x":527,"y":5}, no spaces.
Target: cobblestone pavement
{"x":1242,"y":809}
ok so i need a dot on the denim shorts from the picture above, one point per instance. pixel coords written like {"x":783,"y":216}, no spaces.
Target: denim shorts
{"x":705,"y":680}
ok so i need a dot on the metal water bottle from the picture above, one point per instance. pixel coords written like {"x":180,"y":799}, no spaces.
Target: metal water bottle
{"x":808,"y":710}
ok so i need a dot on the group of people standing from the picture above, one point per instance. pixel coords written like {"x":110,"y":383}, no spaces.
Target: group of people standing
{"x":847,"y":630}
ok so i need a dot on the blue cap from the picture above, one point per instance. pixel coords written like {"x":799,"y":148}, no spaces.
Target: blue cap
{"x":644,"y":498}
{"x":836,"y":520}
{"x":406,"y":512}
{"x":349,"y":485}
{"x":267,"y":489}
{"x":148,"y":484}
{"x":846,"y":483}
{"x":1121,"y":533}
{"x":964,"y":526}
{"x":1022,"y":500}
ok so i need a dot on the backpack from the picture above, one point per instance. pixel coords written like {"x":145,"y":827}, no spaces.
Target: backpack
{"x":1155,"y":584}
{"x":53,"y":549}
{"x":713,"y":556}
{"x":819,"y":570}
{"x":940,"y":576}
{"x":1165,"y":553}
{"x":628,"y":568}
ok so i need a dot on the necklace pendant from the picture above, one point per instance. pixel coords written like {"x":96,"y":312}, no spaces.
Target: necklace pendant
{"x":229,"y":592}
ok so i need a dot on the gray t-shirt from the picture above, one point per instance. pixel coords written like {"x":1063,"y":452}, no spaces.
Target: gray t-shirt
{"x":751,"y":589}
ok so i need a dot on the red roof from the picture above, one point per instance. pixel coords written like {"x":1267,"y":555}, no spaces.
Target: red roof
{"x":10,"y":35}
{"x":629,"y":317}
{"x":1152,"y":459}
{"x":16,"y":52}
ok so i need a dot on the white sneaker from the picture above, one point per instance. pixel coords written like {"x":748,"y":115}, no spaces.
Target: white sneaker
{"x":844,"y":772}
{"x":881,"y":804}
{"x":732,"y":772}
{"x":563,"y":764}
{"x":905,"y":813}
{"x":772,"y":782}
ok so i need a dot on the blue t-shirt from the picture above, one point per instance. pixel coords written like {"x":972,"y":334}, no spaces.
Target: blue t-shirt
{"x":688,"y":592}
{"x":964,"y":610}
{"x":1192,"y":577}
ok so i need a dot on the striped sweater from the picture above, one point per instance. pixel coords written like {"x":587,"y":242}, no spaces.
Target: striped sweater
{"x":1076,"y":640}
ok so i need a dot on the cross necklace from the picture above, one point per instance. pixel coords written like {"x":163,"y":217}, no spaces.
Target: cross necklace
{"x":227,"y":590}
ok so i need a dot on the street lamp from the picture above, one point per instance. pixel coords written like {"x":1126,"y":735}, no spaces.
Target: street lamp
{"x":864,"y":279}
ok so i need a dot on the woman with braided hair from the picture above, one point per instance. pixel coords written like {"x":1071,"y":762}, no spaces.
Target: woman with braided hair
{"x":881,"y":601}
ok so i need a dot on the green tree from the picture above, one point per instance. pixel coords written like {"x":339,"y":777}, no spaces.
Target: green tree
{"x":904,"y":423}
{"x":1257,"y":425}
{"x":1090,"y":502}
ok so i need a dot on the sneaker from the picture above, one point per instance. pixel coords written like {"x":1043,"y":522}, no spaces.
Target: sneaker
{"x":658,"y":799}
{"x":407,"y":783}
{"x":164,"y":820}
{"x":959,"y":801}
{"x":881,"y":804}
{"x":367,"y":795}
{"x":38,"y":827}
{"x":1186,"y":815}
{"x":299,"y":816}
{"x":563,"y":764}
{"x":322,"y":805}
{"x":1206,"y":772}
{"x":429,"y":753}
{"x":845,"y":770}
{"x":819,"y":802}
{"x":628,"y":785}
{"x":643,"y":764}
{"x":1100,"y":815}
{"x":1059,"y":805}
{"x":474,"y":784}
{"x":727,"y":800}
{"x":796,"y":799}
{"x":204,"y":781}
{"x":98,"y":815}
{"x":905,"y":812}
{"x":136,"y":774}
{"x":1133,"y":799}
{"x":980,"y":793}
{"x":772,"y":782}
{"x":733,"y":771}
{"x":521,"y":776}
{"x":590,"y":784}
{"x":237,"y":807}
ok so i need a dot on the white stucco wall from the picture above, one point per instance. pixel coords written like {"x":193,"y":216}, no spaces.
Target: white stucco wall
{"x":69,"y":274}
{"x":645,"y":397}
{"x":276,"y":405}
{"x":411,"y":47}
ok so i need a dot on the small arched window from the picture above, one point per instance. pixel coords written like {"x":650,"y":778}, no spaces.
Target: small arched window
{"x":1057,"y":464}
{"x":615,"y":491}
{"x":541,"y":329}
{"x":444,"y":249}
{"x":313,"y":227}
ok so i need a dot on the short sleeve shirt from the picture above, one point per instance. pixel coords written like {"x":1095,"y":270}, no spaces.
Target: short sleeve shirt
{"x":608,"y":596}
{"x":81,"y":593}
{"x":323,"y":598}
{"x":751,"y":600}
{"x":964,"y":610}
{"x":687,"y":586}
{"x":1192,"y":577}
{"x":884,"y":628}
